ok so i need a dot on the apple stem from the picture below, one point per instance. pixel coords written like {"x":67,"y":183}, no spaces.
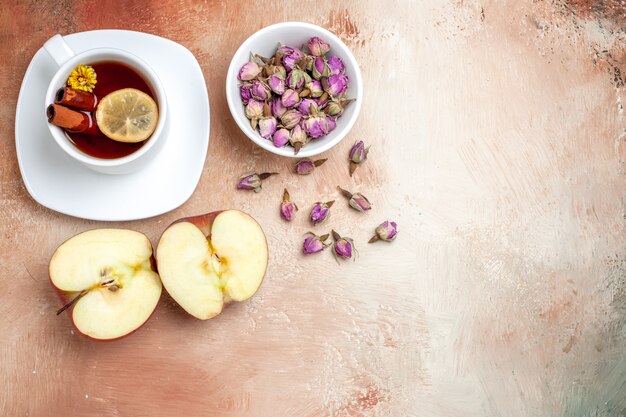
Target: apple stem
{"x":68,"y":305}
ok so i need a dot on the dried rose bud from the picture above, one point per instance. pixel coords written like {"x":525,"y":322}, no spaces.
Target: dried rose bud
{"x":335,"y":85}
{"x":316,"y":126}
{"x":343,"y":246}
{"x":281,"y":137}
{"x":332,"y":123}
{"x":290,"y":56}
{"x":315,"y":88}
{"x":317,"y":46}
{"x":295,"y":79}
{"x":306,"y":166}
{"x":320,"y":68}
{"x":321,"y":211}
{"x":246,"y":92}
{"x":291,"y":118}
{"x":249,"y":71}
{"x":307,"y":106}
{"x":267,"y":127}
{"x":254,"y":109}
{"x":290,"y":98}
{"x":253,"y":181}
{"x":277,"y":84}
{"x":358,"y":154}
{"x":357,"y":200}
{"x":323,"y":100}
{"x":386,"y":231}
{"x":277,"y":70}
{"x":276,"y":107}
{"x":298,"y":139}
{"x":287,"y":208}
{"x":314,"y":243}
{"x":260,"y":90}
{"x":335,"y":64}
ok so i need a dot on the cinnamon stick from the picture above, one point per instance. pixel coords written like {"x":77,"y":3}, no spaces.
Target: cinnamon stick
{"x":71,"y":120}
{"x":76,"y":99}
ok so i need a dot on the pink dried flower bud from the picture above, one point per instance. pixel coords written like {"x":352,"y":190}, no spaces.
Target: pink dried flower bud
{"x":277,"y":70}
{"x":277,"y":84}
{"x":317,"y":46}
{"x":386,"y":231}
{"x":245,"y":90}
{"x":307,"y":106}
{"x":249,"y":71}
{"x":277,"y":108}
{"x":320,"y":68}
{"x":298,"y":138}
{"x":287,"y":208}
{"x":332,"y":123}
{"x":314,"y":243}
{"x":260,"y":90}
{"x":316,"y":126}
{"x":290,"y":98}
{"x":344,"y":246}
{"x":291,"y":118}
{"x":320,"y":212}
{"x":315,"y":88}
{"x":267,"y":127}
{"x":306,"y":166}
{"x":358,"y":154}
{"x":253,"y":181}
{"x":281,"y":137}
{"x":357,"y":200}
{"x":295,"y":79}
{"x":336,"y":66}
{"x":254,"y":109}
{"x":323,"y":100}
{"x":335,"y":85}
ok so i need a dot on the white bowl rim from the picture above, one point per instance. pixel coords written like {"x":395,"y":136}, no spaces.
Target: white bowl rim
{"x":145,"y":71}
{"x":231,"y":77}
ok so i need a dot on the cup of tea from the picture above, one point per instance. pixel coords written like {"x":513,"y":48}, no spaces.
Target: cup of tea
{"x":123,"y":82}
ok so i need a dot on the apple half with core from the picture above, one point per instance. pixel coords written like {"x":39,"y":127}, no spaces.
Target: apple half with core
{"x":207,"y":261}
{"x":106,"y":281}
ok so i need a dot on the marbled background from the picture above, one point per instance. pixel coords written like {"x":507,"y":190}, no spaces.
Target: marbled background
{"x":498,"y":144}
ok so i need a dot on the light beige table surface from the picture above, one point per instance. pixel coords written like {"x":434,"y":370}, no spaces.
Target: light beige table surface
{"x":497,"y":132}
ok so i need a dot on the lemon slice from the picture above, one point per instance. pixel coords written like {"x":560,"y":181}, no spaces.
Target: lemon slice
{"x":127,"y":115}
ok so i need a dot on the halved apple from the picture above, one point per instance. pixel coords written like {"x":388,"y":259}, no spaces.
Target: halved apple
{"x":207,"y":261}
{"x":105,"y":279}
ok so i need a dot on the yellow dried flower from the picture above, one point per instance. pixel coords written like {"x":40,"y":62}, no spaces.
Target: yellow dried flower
{"x":83,"y":77}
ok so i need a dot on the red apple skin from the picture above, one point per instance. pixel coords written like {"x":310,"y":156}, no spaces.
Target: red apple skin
{"x":64,"y":297}
{"x":204,"y":222}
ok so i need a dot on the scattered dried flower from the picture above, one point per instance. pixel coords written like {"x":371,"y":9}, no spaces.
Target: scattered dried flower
{"x":386,"y":231}
{"x":252,"y":182}
{"x":357,"y":200}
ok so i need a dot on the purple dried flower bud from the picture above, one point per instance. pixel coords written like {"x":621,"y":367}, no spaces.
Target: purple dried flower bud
{"x":267,"y":127}
{"x":291,"y":118}
{"x":298,"y":138}
{"x":315,"y":88}
{"x":316,"y":126}
{"x":246,"y":92}
{"x":320,"y":68}
{"x":277,"y":108}
{"x":335,"y":85}
{"x":323,"y":100}
{"x":335,"y":64}
{"x":332,"y":123}
{"x":317,"y":46}
{"x":290,"y":56}
{"x":343,"y":246}
{"x":290,"y":98}
{"x":320,"y":212}
{"x":358,"y":154}
{"x":357,"y":200}
{"x":307,"y":106}
{"x":334,"y":108}
{"x":287,"y":208}
{"x":386,"y":231}
{"x":306,"y":166}
{"x":253,"y":181}
{"x":281,"y":137}
{"x":254,"y":110}
{"x":277,"y":70}
{"x":295,"y":79}
{"x":260,"y":90}
{"x":314,"y":243}
{"x":277,"y":84}
{"x":249,"y":71}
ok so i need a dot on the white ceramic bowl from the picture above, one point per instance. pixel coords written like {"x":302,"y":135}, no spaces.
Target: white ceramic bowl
{"x":264,"y":42}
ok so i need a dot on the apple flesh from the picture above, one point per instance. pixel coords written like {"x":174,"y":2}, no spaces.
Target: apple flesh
{"x":208,"y":261}
{"x":106,"y":281}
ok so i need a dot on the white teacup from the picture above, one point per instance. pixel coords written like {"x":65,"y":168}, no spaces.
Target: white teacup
{"x":67,"y":60}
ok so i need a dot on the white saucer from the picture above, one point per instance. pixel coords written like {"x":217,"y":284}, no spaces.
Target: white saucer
{"x":62,"y":184}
